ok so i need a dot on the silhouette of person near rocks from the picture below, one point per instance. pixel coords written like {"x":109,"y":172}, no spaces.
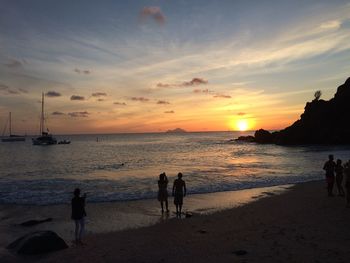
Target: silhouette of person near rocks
{"x":339,"y":177}
{"x":179,"y":191}
{"x":329,"y":167}
{"x":163,"y":191}
{"x":78,"y":215}
{"x":347,"y":182}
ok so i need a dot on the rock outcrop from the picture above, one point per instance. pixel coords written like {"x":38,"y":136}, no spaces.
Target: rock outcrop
{"x":39,"y":242}
{"x":323,"y":122}
{"x":263,"y":136}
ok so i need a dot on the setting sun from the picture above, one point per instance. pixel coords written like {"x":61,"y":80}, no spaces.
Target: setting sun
{"x":242,"y":125}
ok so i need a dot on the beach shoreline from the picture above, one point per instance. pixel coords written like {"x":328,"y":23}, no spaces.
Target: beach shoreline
{"x":293,"y":225}
{"x":105,"y":217}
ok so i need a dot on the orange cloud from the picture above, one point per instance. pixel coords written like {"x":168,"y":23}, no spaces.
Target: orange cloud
{"x":99,"y":94}
{"x":162,"y":102}
{"x":222,"y":96}
{"x":119,"y":103}
{"x":141,"y":99}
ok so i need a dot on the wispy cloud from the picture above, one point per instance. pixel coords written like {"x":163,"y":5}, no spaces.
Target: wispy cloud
{"x":163,"y":102}
{"x":6,"y":90}
{"x":119,"y":103}
{"x":79,"y":114}
{"x":241,"y":113}
{"x":141,"y":99}
{"x":4,"y":87}
{"x":58,"y":113}
{"x":195,"y":81}
{"x":223,"y":96}
{"x":192,"y":82}
{"x":53,"y":94}
{"x":205,"y":91}
{"x":333,"y":24}
{"x":82,"y":71}
{"x":99,"y":94}
{"x":100,"y":100}
{"x":14,"y":63}
{"x":23,"y":90}
{"x":77,"y":97}
{"x":169,"y":112}
{"x":153,"y":12}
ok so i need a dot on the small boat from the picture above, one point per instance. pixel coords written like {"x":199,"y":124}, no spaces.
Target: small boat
{"x":45,"y":138}
{"x":12,"y":137}
{"x":64,"y":142}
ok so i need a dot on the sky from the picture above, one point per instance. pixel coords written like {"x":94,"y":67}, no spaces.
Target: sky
{"x":150,"y":66}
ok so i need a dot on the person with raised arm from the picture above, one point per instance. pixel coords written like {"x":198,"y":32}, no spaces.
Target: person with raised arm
{"x":163,"y":191}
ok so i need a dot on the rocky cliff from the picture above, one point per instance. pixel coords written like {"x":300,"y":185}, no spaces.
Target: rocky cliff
{"x":323,"y":122}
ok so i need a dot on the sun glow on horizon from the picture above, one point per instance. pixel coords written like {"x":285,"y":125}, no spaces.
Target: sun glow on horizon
{"x":242,"y":125}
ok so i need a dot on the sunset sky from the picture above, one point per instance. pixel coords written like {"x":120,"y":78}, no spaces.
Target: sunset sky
{"x":150,"y":66}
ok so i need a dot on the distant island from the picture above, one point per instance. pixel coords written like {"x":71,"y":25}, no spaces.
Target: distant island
{"x":177,"y":130}
{"x":323,"y":122}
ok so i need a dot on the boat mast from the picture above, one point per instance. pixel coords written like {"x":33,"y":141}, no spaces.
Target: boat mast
{"x":10,"y":123}
{"x":42,"y":114}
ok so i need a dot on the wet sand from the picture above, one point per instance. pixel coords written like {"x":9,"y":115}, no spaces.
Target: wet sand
{"x":297,"y":225}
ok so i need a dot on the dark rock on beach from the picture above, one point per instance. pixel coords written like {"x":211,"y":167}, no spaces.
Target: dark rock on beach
{"x":248,"y":138}
{"x":35,"y":222}
{"x":240,"y":252}
{"x":39,"y":242}
{"x":263,"y":136}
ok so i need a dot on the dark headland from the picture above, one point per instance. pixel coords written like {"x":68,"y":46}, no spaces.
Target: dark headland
{"x":323,"y":122}
{"x":177,"y":130}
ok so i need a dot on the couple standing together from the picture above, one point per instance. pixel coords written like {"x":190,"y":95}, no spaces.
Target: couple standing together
{"x":179,"y":191}
{"x":338,"y":169}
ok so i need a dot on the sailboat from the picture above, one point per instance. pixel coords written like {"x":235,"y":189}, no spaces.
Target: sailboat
{"x":12,"y":137}
{"x":45,"y":138}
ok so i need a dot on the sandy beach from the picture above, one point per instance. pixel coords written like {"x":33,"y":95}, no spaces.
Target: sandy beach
{"x":284,"y":224}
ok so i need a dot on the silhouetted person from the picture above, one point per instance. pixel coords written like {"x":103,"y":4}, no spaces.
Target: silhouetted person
{"x":329,"y":167}
{"x":163,"y":191}
{"x":179,"y":191}
{"x":347,"y":182}
{"x":339,"y":177}
{"x":78,"y":214}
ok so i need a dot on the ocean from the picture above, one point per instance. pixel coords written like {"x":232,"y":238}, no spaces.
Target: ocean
{"x":123,"y":167}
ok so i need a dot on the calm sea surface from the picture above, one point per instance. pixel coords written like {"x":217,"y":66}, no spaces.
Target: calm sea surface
{"x":126,"y":166}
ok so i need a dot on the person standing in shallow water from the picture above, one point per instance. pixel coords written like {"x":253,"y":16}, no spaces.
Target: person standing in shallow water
{"x":78,"y":215}
{"x":163,"y":191}
{"x":347,"y":182}
{"x":179,"y":191}
{"x":339,"y":177}
{"x":329,"y":167}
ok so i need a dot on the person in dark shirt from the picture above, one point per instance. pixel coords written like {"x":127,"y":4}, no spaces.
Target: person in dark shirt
{"x":329,"y":167}
{"x":78,"y":214}
{"x":163,"y":191}
{"x":179,"y":191}
{"x":339,"y":177}
{"x":347,"y":182}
